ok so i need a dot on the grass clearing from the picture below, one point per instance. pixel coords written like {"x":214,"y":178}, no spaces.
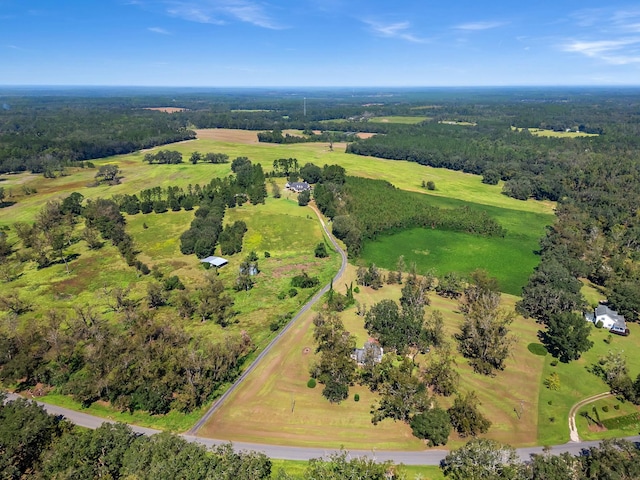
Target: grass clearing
{"x":405,"y":120}
{"x":458,"y":122}
{"x":543,"y":132}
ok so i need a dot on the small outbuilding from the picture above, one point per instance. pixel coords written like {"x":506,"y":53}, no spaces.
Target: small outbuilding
{"x":215,"y":261}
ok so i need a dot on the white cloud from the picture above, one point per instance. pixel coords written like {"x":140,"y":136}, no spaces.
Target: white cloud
{"x":477,"y":26}
{"x":611,"y":36}
{"x":394,"y":30}
{"x":159,"y":30}
{"x":220,"y":12}
{"x":617,"y":52}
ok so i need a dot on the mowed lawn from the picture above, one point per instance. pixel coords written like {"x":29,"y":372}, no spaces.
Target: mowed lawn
{"x":577,"y":383}
{"x":274,"y":405}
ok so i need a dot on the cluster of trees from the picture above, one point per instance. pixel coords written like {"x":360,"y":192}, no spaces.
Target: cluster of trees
{"x":206,"y":228}
{"x":109,"y":174}
{"x":210,"y":157}
{"x":231,"y":237}
{"x":143,"y":364}
{"x":364,"y":208}
{"x":38,"y":445}
{"x":488,"y":459}
{"x":613,"y":370}
{"x":248,"y":269}
{"x":276,"y":136}
{"x":169,"y":157}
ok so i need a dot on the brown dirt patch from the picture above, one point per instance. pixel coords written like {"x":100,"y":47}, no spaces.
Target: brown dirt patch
{"x":365,"y":134}
{"x":306,"y":351}
{"x":166,"y":109}
{"x":228,"y":135}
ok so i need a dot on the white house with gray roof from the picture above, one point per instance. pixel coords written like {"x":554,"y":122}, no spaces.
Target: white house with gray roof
{"x":610,"y":319}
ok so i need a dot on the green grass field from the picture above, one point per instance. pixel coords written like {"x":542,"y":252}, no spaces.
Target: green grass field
{"x":543,"y":132}
{"x":510,"y":260}
{"x":406,"y":120}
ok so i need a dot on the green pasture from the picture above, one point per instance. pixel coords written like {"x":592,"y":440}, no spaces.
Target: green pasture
{"x":406,"y":120}
{"x":543,"y":132}
{"x":578,"y":383}
{"x":296,"y":469}
{"x":510,"y":260}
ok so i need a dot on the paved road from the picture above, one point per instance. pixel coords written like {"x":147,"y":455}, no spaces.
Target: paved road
{"x":305,"y":308}
{"x":425,"y":457}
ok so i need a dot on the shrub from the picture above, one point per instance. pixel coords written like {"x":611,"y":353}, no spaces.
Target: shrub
{"x":304,"y":281}
{"x":552,"y":419}
{"x":282,"y":296}
{"x":356,"y":398}
{"x":267,"y":255}
{"x":321,"y":251}
{"x":554,"y":363}
{"x":356,"y":289}
{"x":311,"y":383}
{"x":550,"y":402}
{"x":431,"y":185}
{"x":145,"y":226}
{"x":605,"y":408}
{"x":293,"y":292}
{"x":537,"y":349}
{"x":599,"y":324}
{"x":616,"y":406}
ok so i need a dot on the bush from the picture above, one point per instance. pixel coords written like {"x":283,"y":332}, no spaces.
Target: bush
{"x":356,"y":397}
{"x":554,"y":363}
{"x":293,"y":292}
{"x":311,"y":383}
{"x":321,"y":251}
{"x":304,"y":281}
{"x":267,"y":255}
{"x":537,"y":349}
{"x":356,"y":289}
{"x":616,"y":406}
{"x":282,"y":296}
{"x":599,"y":324}
{"x":431,"y":185}
{"x":605,"y":408}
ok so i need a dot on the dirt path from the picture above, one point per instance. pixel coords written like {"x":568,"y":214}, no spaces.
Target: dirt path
{"x":573,"y":430}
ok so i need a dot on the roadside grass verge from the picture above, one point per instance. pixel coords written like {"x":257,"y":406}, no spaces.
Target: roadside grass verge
{"x":577,"y":383}
{"x":296,"y":469}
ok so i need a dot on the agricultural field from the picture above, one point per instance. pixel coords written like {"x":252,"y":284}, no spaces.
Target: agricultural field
{"x":543,"y":132}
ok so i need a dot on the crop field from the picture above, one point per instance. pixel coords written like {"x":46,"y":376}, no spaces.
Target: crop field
{"x":275,"y":405}
{"x":407,"y":120}
{"x":543,"y":132}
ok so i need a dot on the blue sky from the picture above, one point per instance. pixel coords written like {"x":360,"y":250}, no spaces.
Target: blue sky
{"x":319,"y":43}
